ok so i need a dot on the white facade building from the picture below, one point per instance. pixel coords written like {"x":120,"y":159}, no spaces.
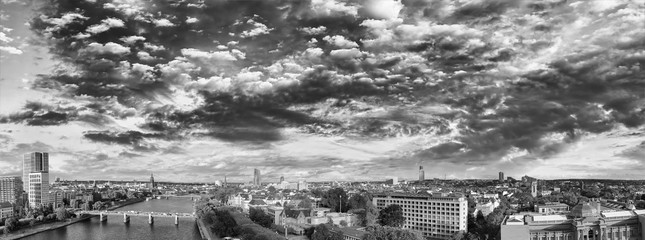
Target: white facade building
{"x":38,"y":189}
{"x":434,"y":217}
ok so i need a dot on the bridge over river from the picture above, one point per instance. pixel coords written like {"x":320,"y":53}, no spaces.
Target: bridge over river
{"x":126,"y":215}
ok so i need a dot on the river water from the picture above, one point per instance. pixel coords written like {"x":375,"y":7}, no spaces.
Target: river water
{"x":164,"y":228}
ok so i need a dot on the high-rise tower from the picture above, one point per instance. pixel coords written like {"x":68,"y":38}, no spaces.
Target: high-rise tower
{"x":256,"y":177}
{"x":35,"y":176}
{"x":152,"y":182}
{"x":501,"y":176}
{"x":11,"y":189}
{"x":421,"y":174}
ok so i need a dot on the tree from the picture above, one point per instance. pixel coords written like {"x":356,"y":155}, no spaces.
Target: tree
{"x":343,"y":223}
{"x":62,"y":214}
{"x":334,"y":198}
{"x":65,"y":202}
{"x":323,"y":232}
{"x":223,"y":223}
{"x":258,"y":216}
{"x":391,"y":216}
{"x":10,"y":224}
{"x":271,"y":189}
{"x":390,"y":233}
{"x":97,"y":205}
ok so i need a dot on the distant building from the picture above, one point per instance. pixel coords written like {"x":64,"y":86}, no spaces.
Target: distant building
{"x":393,"y":181}
{"x":534,"y":188}
{"x":501,"y":176}
{"x":152,"y":184}
{"x":434,"y":217}
{"x":256,"y":177}
{"x":551,"y":208}
{"x":584,"y":222}
{"x":281,"y":178}
{"x":11,"y":189}
{"x":421,"y":174}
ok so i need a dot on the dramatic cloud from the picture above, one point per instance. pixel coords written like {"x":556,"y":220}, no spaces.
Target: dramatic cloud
{"x":479,"y":83}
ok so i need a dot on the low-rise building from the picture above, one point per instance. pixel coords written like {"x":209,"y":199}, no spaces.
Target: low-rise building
{"x":551,"y":208}
{"x":584,"y":222}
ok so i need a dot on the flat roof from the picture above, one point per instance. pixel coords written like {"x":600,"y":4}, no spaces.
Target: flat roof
{"x":413,"y":195}
{"x":544,"y":218}
{"x":618,"y":214}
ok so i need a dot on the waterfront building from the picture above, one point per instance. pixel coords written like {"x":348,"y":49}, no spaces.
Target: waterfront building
{"x":33,"y":163}
{"x":6,"y":211}
{"x":421,"y":174}
{"x":35,"y":177}
{"x":586,"y":221}
{"x":435,"y":217}
{"x":38,"y":189}
{"x":11,"y":189}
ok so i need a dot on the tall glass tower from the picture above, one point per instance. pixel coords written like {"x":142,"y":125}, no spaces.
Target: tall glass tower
{"x":35,"y":177}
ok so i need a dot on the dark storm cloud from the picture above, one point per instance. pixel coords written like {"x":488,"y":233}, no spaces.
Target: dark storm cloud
{"x":252,"y":68}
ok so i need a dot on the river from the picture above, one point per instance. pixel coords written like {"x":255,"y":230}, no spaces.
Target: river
{"x":164,"y":228}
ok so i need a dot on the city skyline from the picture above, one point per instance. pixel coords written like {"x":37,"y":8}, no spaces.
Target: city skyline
{"x":324,"y":90}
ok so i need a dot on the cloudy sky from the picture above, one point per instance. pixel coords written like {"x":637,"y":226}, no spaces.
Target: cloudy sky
{"x":193,"y":90}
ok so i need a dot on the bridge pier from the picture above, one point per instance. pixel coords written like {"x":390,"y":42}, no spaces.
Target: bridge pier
{"x":151,"y":220}
{"x":126,"y":218}
{"x":176,"y":220}
{"x":103,"y":218}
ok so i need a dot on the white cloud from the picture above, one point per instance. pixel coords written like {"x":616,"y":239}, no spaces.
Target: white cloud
{"x":191,"y":20}
{"x":384,"y":9}
{"x":10,"y":50}
{"x":163,"y":23}
{"x":153,"y":47}
{"x":145,"y":56}
{"x":132,"y":39}
{"x":346,"y":53}
{"x":259,"y":29}
{"x":314,"y":30}
{"x":113,"y":48}
{"x":340,"y":41}
{"x":105,"y":25}
{"x":332,"y":8}
{"x":64,"y":20}
{"x":5,"y":38}
{"x":207,"y":56}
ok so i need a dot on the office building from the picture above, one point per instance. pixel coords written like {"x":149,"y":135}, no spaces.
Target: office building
{"x":421,"y":174}
{"x":33,"y":163}
{"x":501,"y":176}
{"x":434,"y":217}
{"x":256,"y":177}
{"x":393,"y":181}
{"x":38,"y":189}
{"x":534,"y":188}
{"x":35,"y":176}
{"x":11,"y":189}
{"x":281,"y":179}
{"x":586,"y":221}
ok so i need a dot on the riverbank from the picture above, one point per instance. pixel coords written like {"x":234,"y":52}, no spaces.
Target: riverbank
{"x":28,"y":231}
{"x":204,"y":231}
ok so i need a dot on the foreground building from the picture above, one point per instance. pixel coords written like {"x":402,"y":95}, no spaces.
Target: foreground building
{"x":434,"y":217}
{"x":586,"y":221}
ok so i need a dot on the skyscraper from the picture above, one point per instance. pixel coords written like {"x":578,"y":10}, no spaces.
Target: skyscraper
{"x":152,"y":182}
{"x":11,"y":189}
{"x":282,"y":179}
{"x":534,"y":188}
{"x":35,"y":175}
{"x":501,"y":176}
{"x":421,"y":174}
{"x":256,"y":177}
{"x":33,"y":163}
